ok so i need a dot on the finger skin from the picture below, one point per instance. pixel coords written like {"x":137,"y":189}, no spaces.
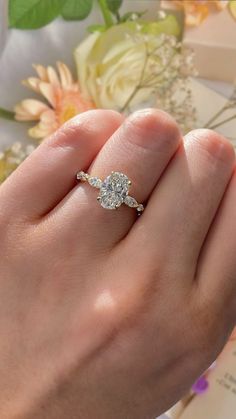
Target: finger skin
{"x":217,"y":264}
{"x":184,"y":203}
{"x":46,"y":176}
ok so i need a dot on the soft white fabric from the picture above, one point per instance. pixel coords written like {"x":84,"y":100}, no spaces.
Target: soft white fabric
{"x":3,"y":24}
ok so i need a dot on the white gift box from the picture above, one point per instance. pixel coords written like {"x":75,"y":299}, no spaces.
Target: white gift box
{"x":214,"y":43}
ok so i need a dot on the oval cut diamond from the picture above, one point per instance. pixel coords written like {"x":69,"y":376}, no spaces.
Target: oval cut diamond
{"x":114,"y":190}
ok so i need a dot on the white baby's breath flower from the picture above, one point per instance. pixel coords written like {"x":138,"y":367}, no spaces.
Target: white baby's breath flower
{"x":127,"y":68}
{"x":12,"y":157}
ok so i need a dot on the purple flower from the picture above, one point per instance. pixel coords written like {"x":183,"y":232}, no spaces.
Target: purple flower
{"x":201,"y":385}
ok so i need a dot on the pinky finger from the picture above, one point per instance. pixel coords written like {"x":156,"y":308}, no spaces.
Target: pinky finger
{"x":217,"y":265}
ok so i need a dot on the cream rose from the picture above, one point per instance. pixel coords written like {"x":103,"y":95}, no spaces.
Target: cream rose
{"x":110,"y":64}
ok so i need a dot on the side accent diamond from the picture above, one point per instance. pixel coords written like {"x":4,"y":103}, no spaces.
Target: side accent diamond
{"x":140,"y":208}
{"x":95,"y":182}
{"x":81,"y":175}
{"x":130,"y":201}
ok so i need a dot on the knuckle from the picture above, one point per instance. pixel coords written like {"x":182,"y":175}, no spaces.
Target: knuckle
{"x":153,"y":124}
{"x":214,"y":145}
{"x":84,"y":127}
{"x":69,"y":133}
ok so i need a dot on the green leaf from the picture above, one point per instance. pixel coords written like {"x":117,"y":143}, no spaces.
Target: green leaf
{"x":114,"y":5}
{"x":169,"y":25}
{"x":77,"y":9}
{"x":33,"y":14}
{"x":96,"y":28}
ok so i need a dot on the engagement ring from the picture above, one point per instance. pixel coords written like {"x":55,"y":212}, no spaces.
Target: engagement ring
{"x":114,"y":190}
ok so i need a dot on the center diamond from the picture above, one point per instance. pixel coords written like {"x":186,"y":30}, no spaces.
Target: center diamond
{"x":113,"y":191}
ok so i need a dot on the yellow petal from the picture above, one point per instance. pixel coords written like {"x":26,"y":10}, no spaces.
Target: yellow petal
{"x":41,"y":71}
{"x":195,"y":11}
{"x":38,"y":133}
{"x":34,"y":106}
{"x":32,"y":83}
{"x":221,"y":4}
{"x":53,"y":77}
{"x":21,"y":115}
{"x":19,"y":109}
{"x":193,"y":20}
{"x":195,"y":17}
{"x":29,"y":110}
{"x":65,"y":75}
{"x":48,"y":117}
{"x":47,"y":125}
{"x":49,"y":92}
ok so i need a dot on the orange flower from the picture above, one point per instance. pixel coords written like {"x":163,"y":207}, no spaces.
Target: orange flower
{"x":62,"y":94}
{"x":197,"y":10}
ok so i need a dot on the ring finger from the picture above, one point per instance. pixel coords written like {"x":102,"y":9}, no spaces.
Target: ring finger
{"x":141,"y":149}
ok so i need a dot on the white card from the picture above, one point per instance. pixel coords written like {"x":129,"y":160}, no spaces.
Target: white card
{"x":219,"y":401}
{"x":208,"y":103}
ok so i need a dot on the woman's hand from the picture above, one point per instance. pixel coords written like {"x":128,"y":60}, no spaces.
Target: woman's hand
{"x":102,"y":314}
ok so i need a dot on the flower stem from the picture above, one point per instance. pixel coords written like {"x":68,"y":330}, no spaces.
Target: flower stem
{"x":118,"y":16}
{"x":157,"y":75}
{"x":7,"y":114}
{"x":214,"y":117}
{"x":223,"y":122}
{"x":133,"y":94}
{"x":106,"y":13}
{"x":136,"y":89}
